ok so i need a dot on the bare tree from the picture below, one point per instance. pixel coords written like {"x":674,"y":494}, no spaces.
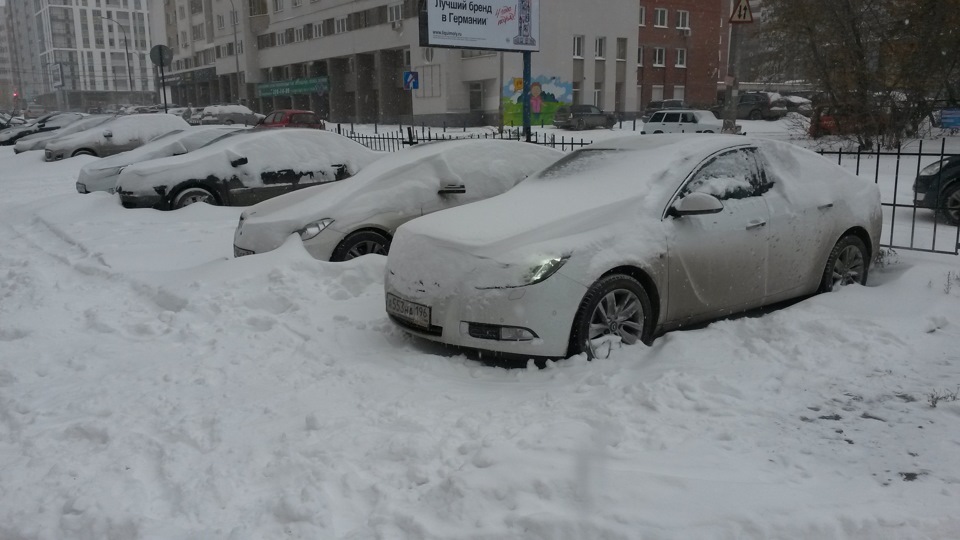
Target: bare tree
{"x":881,"y":65}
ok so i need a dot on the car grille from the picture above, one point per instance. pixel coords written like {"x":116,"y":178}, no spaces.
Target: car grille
{"x":240,"y":252}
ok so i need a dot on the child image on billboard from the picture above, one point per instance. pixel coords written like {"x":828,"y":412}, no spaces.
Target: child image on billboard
{"x":547,"y":94}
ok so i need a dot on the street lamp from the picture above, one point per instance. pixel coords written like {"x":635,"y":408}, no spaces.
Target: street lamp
{"x":235,"y":18}
{"x":126,"y":48}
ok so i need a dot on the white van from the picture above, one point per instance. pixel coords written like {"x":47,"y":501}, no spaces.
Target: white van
{"x":683,"y":121}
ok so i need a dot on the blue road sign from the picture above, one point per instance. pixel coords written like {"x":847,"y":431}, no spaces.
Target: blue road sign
{"x":411,"y":80}
{"x":950,"y":119}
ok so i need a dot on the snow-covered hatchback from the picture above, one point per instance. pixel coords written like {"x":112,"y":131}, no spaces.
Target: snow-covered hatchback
{"x":629,"y":237}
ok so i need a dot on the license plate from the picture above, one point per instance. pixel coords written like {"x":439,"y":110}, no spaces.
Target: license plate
{"x":417,"y":314}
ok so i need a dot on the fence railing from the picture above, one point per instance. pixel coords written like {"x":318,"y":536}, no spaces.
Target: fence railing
{"x":395,"y":140}
{"x":906,"y":225}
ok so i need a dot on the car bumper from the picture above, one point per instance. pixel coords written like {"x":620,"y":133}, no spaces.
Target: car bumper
{"x":49,"y":155}
{"x":472,"y":318}
{"x":138,"y":200}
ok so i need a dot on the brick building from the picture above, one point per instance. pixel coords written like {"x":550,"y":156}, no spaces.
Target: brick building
{"x":682,"y":50}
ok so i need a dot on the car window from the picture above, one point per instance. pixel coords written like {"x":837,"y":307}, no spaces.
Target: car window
{"x":688,"y":117}
{"x":731,"y":175}
{"x":671,"y":118}
{"x":657,"y":117}
{"x":272,"y":118}
{"x":594,"y":110}
{"x":304,"y":118}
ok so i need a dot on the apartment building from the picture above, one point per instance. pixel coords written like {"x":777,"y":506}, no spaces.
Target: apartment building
{"x":345,"y":59}
{"x":76,"y":54}
{"x":8,"y":90}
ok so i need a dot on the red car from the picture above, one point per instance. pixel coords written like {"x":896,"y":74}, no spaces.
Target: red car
{"x":292,"y":118}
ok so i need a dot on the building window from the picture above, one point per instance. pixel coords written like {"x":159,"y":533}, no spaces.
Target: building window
{"x":296,"y":3}
{"x":656,"y":92}
{"x":678,"y":92}
{"x":659,"y":57}
{"x":622,"y":49}
{"x":183,"y":39}
{"x":198,"y":32}
{"x":598,"y":94}
{"x":317,"y":30}
{"x":298,"y":34}
{"x":476,"y":96}
{"x":220,"y":22}
{"x":181,"y":12}
{"x":643,"y":16}
{"x":683,"y":19}
{"x":578,"y":46}
{"x":600,"y":47}
{"x":277,"y":5}
{"x":234,"y":20}
{"x":281,"y":38}
{"x":660,"y":17}
{"x":340,"y":25}
{"x":577,"y":99}
{"x":640,"y":56}
{"x":681,"y":58}
{"x":394,"y":12}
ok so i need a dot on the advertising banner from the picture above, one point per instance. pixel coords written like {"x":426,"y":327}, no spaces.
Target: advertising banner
{"x":503,"y":25}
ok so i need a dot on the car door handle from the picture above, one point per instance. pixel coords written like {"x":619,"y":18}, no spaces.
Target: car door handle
{"x":755,"y":224}
{"x":825,"y":206}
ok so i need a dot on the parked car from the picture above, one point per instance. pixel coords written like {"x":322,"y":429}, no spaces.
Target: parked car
{"x":659,"y":105}
{"x":38,"y":141}
{"x":799,"y":105}
{"x":938,"y":187}
{"x":287,"y":118}
{"x":583,"y":117}
{"x":50,"y":122}
{"x":630,"y":237}
{"x":682,"y":121}
{"x":118,"y":135}
{"x":229,"y":114}
{"x":757,"y":106}
{"x":344,"y":220}
{"x":241,"y":170}
{"x":8,"y":120}
{"x":34,"y":110}
{"x":101,"y":175}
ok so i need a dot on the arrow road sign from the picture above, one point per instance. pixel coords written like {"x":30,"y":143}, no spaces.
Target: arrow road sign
{"x":411,"y":80}
{"x":741,"y":12}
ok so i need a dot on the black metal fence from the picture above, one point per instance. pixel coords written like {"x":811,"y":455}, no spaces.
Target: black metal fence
{"x":392,"y":141}
{"x":906,"y":225}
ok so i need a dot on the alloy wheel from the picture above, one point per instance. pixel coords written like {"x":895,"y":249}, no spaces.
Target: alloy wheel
{"x":848,"y":267}
{"x":620,"y":313}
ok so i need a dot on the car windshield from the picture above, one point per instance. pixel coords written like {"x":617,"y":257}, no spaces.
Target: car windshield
{"x":579,"y":162}
{"x":167,"y":134}
{"x":226,"y":136}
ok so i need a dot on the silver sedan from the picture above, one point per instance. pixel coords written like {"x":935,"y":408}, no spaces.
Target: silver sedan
{"x":631,"y":237}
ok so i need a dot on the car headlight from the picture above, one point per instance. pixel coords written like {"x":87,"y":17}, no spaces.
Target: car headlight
{"x":314,"y":228}
{"x":932,"y":169}
{"x":534,"y":274}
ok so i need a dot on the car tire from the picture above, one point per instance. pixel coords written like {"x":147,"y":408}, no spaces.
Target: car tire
{"x":847,"y":264}
{"x":657,"y":132}
{"x":84,"y":152}
{"x":950,"y":204}
{"x":616,"y":304}
{"x":361,"y":243}
{"x":707,"y":131}
{"x":756,"y":114}
{"x":193,"y":194}
{"x":228,"y":122}
{"x":581,"y":125}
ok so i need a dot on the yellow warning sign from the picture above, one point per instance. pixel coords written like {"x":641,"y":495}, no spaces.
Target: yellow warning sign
{"x":741,"y":12}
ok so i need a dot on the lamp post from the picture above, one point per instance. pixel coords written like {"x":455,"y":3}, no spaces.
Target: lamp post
{"x":235,"y":18}
{"x":126,"y":48}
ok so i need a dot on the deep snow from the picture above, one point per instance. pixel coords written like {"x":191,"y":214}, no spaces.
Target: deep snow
{"x":153,"y":387}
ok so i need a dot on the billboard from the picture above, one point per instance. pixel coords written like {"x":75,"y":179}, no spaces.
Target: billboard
{"x":501,"y":25}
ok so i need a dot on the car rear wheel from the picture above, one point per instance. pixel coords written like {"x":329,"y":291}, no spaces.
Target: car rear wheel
{"x":581,"y":125}
{"x":616,"y":306}
{"x":84,"y":152}
{"x":756,"y":114}
{"x":847,"y":264}
{"x":192,"y":195}
{"x":359,"y":244}
{"x":951,"y":205}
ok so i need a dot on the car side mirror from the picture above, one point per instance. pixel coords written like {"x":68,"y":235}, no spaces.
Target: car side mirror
{"x":179,"y":149}
{"x":451,"y":189}
{"x":107,"y":133}
{"x":239,"y":161}
{"x":695,"y":204}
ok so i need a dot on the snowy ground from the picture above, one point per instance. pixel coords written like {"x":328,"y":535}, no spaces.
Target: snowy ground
{"x":153,"y":387}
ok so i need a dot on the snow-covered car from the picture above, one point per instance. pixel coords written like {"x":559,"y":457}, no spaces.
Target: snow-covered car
{"x":101,"y":175}
{"x":344,"y":220}
{"x":243,"y":169}
{"x":38,"y":141}
{"x":229,"y":114}
{"x":50,"y":122}
{"x":121,"y":134}
{"x":630,"y":237}
{"x":683,"y":121}
{"x":7,"y":120}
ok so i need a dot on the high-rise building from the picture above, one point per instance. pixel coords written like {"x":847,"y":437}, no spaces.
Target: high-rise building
{"x":76,"y":54}
{"x":7,"y":88}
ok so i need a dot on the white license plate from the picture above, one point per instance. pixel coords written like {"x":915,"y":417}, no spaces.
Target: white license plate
{"x":417,"y":314}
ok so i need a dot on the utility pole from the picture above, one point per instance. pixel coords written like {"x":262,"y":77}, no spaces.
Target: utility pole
{"x":235,"y":18}
{"x":126,"y":49}
{"x":740,"y":14}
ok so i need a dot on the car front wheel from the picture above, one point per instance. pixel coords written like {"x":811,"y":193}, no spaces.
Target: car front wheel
{"x":359,"y":244}
{"x":847,"y":264}
{"x":192,"y":195}
{"x":616,"y":306}
{"x":756,"y":114}
{"x":951,"y":205}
